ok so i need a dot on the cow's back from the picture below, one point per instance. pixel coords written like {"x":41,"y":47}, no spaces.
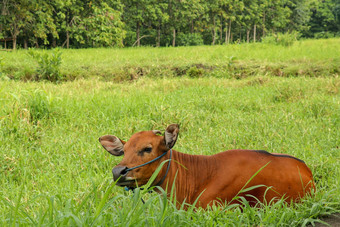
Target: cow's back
{"x":240,"y":169}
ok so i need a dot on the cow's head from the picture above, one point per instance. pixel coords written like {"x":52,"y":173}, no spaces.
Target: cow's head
{"x":140,"y":148}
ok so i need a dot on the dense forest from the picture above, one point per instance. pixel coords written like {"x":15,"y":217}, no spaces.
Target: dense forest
{"x":107,"y":23}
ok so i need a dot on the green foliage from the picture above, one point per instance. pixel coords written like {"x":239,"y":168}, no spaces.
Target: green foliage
{"x":39,"y":106}
{"x":23,"y":119}
{"x":325,"y":19}
{"x":80,"y":24}
{"x":192,"y":39}
{"x":286,"y":39}
{"x":324,"y":35}
{"x":270,"y":39}
{"x":103,"y":27}
{"x":48,"y":64}
{"x":29,"y":19}
{"x":195,"y":72}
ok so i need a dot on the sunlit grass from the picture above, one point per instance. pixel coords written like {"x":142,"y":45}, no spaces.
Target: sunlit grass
{"x":54,"y":171}
{"x":308,"y":57}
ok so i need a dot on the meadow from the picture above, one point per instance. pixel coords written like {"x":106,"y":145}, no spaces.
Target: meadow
{"x":55,"y":172}
{"x":304,"y":58}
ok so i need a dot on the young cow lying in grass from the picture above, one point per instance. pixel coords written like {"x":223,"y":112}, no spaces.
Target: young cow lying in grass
{"x":216,"y":178}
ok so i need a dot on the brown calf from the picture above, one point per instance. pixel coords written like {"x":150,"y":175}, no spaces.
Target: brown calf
{"x":218,"y":178}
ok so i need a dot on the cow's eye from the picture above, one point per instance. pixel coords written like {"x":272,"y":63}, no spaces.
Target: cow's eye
{"x":147,"y":150}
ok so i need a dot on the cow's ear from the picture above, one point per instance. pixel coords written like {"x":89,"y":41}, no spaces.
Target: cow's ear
{"x":170,"y":135}
{"x":112,"y":144}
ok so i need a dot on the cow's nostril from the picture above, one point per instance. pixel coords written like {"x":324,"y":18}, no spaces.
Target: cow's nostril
{"x":124,"y":171}
{"x":119,"y":172}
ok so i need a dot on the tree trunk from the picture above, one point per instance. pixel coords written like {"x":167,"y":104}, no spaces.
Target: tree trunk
{"x":25,"y":43}
{"x":174,"y":37}
{"x":254,"y":33}
{"x":239,"y":41}
{"x":226,"y":34}
{"x":221,"y":30}
{"x":229,"y":32}
{"x":192,"y":26}
{"x":214,"y":32}
{"x":67,"y":39}
{"x":36,"y":43}
{"x":137,"y":34}
{"x":248,"y":32}
{"x":14,"y":36}
{"x":264,"y":25}
{"x":54,"y":42}
{"x":158,"y":37}
{"x":14,"y":42}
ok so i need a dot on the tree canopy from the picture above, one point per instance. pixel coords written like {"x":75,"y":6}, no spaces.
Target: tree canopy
{"x":109,"y":23}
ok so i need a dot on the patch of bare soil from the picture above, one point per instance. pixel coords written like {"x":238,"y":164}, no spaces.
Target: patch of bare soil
{"x":332,"y":220}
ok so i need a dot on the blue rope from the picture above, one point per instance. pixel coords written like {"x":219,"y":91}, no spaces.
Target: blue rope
{"x":167,"y":170}
{"x":129,"y":169}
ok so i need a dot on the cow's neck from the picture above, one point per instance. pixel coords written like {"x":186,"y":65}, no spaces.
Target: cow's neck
{"x":189,"y":173}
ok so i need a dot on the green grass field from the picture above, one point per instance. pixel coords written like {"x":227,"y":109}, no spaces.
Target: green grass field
{"x":305,"y":58}
{"x":54,"y":171}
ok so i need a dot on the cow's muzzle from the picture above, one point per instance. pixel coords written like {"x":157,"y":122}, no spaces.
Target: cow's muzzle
{"x":119,"y":173}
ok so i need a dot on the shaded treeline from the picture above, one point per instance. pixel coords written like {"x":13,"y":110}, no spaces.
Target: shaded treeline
{"x":94,"y":23}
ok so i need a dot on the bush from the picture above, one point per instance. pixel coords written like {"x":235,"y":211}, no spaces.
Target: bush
{"x":39,"y":106}
{"x":323,"y":35}
{"x":48,"y":64}
{"x":287,"y":39}
{"x":195,"y":72}
{"x":283,"y":39}
{"x":269,"y":39}
{"x":191,"y":39}
{"x":130,"y":38}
